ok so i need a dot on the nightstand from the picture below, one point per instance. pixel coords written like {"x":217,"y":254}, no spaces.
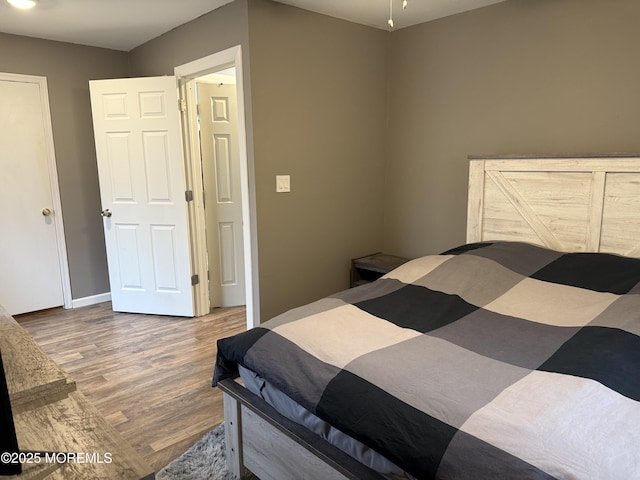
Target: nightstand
{"x":370,"y":268}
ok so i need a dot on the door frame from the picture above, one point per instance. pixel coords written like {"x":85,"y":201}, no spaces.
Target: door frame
{"x":187,"y":73}
{"x":53,"y":178}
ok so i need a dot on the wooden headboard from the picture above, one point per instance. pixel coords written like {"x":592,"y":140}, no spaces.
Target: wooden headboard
{"x":582,"y":204}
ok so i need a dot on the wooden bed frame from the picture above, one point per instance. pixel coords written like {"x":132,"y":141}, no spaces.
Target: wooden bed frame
{"x":581,"y":204}
{"x":584,"y":204}
{"x":273,"y":447}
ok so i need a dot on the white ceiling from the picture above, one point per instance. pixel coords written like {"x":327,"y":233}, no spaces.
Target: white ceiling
{"x":375,"y":13}
{"x":126,"y":24}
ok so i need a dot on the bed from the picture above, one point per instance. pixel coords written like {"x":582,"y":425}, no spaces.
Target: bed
{"x":515,"y":355}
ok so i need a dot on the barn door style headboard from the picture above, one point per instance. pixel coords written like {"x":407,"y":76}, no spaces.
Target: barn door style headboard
{"x":581,"y":204}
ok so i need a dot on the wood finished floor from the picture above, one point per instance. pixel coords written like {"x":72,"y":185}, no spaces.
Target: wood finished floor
{"x":150,"y":376}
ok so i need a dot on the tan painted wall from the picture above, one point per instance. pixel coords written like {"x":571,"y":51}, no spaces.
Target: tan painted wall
{"x":213,"y":32}
{"x":68,"y":69}
{"x":530,"y":77}
{"x":318,"y":87}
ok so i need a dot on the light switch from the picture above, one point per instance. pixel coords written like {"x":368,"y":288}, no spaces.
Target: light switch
{"x":283,"y":183}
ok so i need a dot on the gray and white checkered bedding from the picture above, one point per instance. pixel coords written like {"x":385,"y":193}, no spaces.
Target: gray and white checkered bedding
{"x":491,"y":361}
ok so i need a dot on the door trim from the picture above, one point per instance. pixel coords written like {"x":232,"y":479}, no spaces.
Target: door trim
{"x":53,"y":178}
{"x":188,"y":73}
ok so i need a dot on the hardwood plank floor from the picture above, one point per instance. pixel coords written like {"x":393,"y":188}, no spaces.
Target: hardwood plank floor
{"x":149,"y":375}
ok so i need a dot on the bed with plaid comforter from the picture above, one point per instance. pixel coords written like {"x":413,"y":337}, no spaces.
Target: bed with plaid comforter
{"x":490,"y":361}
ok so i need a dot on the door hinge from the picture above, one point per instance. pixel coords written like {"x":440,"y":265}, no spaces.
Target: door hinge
{"x":188,"y":195}
{"x":182,"y":105}
{"x":195,"y":279}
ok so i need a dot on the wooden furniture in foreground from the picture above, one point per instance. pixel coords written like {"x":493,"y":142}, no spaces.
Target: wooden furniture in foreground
{"x":50,"y":415}
{"x":370,"y":268}
{"x":587,"y":203}
{"x":32,"y":377}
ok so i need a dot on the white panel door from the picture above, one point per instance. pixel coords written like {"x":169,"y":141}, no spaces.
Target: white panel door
{"x":217,"y":108}
{"x":138,"y":145}
{"x":30,"y":272}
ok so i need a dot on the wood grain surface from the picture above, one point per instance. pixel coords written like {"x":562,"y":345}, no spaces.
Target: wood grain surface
{"x":583,"y":204}
{"x":73,"y":436}
{"x":31,"y":374}
{"x":149,"y":375}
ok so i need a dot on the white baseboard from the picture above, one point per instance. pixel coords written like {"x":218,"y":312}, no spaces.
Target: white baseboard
{"x":92,"y":300}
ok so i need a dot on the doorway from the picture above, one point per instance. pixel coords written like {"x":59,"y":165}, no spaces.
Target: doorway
{"x":33,"y":257}
{"x":200,"y":231}
{"x":217,"y":110}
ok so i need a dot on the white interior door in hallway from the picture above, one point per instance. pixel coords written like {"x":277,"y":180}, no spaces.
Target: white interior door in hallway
{"x":188,"y":74}
{"x":217,"y":108}
{"x":142,"y":188}
{"x":33,"y":263}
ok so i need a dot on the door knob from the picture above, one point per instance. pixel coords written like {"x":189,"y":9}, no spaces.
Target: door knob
{"x":46,"y":212}
{"x":106,"y":213}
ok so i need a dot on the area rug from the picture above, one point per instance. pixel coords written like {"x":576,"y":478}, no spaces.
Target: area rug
{"x":206,"y":460}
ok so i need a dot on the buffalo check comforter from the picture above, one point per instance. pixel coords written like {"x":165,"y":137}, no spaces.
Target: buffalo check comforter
{"x":490,"y":361}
